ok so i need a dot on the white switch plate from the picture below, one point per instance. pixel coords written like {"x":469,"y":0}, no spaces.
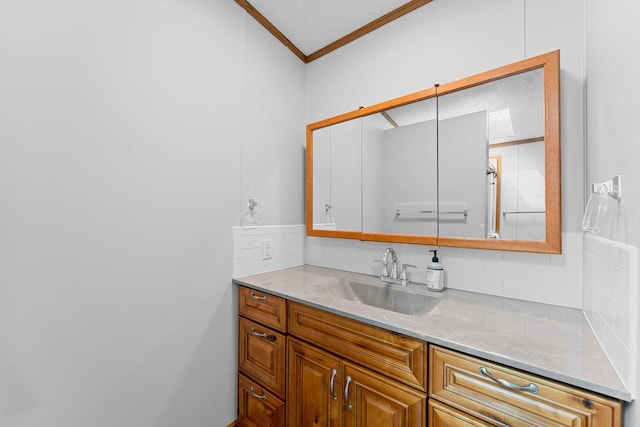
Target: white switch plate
{"x":266,"y":249}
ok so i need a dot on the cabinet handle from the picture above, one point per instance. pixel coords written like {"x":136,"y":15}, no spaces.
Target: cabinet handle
{"x":346,"y":394}
{"x":257,"y":396}
{"x":532,"y":388}
{"x":333,"y":377}
{"x":257,"y":297}
{"x":263,"y":335}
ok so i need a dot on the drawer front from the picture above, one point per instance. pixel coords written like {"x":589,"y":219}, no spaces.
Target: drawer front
{"x":463,"y":382}
{"x":441,"y":415}
{"x":257,"y":407}
{"x":263,"y":308}
{"x":398,"y":356}
{"x":262,"y":355}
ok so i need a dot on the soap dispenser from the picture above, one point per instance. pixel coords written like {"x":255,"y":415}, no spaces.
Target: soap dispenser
{"x":435,"y":274}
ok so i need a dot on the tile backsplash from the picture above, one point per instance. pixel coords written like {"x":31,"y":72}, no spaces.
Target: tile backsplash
{"x":551,"y":279}
{"x":610,"y":295}
{"x":286,"y":246}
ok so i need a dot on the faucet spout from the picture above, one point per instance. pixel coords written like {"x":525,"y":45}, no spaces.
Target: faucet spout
{"x":384,"y":260}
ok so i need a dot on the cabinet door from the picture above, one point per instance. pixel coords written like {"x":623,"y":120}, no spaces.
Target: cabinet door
{"x":314,"y":386}
{"x":372,"y":400}
{"x":257,"y":407}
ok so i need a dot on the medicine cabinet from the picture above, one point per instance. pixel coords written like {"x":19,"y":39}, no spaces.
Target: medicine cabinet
{"x":474,"y":163}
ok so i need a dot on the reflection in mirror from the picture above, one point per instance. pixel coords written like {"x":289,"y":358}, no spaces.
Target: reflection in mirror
{"x":400,"y":170}
{"x":501,"y":119}
{"x":337,"y":177}
{"x":494,"y":173}
{"x":462,"y":152}
{"x":523,"y":198}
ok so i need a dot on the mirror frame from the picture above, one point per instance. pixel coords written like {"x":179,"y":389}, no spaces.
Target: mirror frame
{"x":552,"y":244}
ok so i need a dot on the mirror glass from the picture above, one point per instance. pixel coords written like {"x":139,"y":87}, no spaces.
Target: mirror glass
{"x":399,"y":192}
{"x":337,"y":177}
{"x":499,"y":121}
{"x":474,"y":163}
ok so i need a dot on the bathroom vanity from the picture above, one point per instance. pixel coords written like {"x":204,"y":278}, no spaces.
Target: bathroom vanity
{"x":322,"y":347}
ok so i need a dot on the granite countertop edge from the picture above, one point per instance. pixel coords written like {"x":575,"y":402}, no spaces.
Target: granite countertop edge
{"x":587,"y":367}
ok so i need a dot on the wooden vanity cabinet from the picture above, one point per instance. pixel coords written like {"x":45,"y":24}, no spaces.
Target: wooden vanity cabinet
{"x":333,"y":371}
{"x":468,"y":391}
{"x":262,"y":347}
{"x":332,"y":378}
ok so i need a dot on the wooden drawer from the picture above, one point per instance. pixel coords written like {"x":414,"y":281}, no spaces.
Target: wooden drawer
{"x":441,"y":415}
{"x":456,"y":380}
{"x":264,"y":308}
{"x":257,"y":407}
{"x":262,"y":355}
{"x":398,"y":356}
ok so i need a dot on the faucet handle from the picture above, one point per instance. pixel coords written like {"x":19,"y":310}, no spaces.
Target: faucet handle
{"x":403,"y":274}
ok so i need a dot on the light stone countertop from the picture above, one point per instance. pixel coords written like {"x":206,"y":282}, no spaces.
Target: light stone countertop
{"x":551,"y":341}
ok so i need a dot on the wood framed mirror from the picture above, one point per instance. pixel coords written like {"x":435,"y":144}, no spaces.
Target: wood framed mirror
{"x":418,"y":169}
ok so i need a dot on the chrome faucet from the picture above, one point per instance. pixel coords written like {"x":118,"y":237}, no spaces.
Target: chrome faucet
{"x":384,"y":260}
{"x":392,"y":276}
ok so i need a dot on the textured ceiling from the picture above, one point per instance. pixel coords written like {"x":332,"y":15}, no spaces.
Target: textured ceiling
{"x":313,"y":24}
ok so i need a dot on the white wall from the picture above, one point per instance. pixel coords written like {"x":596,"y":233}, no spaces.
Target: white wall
{"x":441,"y":42}
{"x":273,"y":127}
{"x":612,"y":113}
{"x":129,"y":134}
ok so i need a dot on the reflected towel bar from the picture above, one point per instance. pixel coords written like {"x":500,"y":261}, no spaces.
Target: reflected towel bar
{"x":464,"y":212}
{"x":521,"y":212}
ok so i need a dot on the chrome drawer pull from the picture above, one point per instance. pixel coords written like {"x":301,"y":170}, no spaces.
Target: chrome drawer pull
{"x":257,"y":297}
{"x":263,"y":335}
{"x":346,"y":394}
{"x":532,"y":388}
{"x":257,"y":396}
{"x":333,"y":377}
